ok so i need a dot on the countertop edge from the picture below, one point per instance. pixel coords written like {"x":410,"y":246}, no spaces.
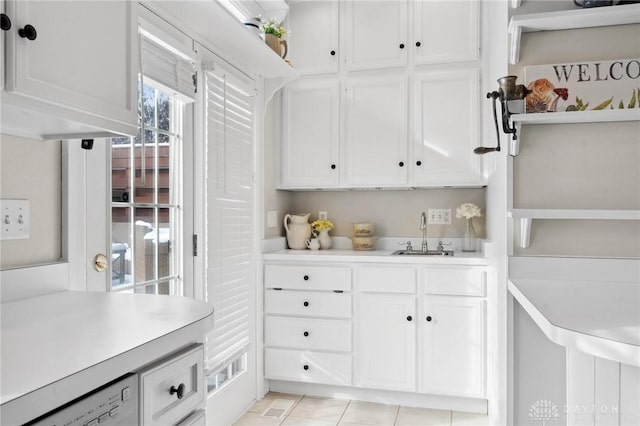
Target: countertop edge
{"x":377,"y":256}
{"x":42,"y":400}
{"x":624,"y":353}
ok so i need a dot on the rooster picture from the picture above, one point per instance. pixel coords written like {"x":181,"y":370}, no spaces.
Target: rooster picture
{"x":544,"y":96}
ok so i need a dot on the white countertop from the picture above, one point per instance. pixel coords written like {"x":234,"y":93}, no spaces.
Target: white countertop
{"x":59,"y":346}
{"x":596,"y":316}
{"x":374,"y":256}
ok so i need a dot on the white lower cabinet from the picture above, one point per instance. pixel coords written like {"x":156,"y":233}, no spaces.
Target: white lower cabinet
{"x":453,"y":345}
{"x":308,"y":366}
{"x":173,"y":388}
{"x":414,"y":328}
{"x":385,"y":349}
{"x":307,"y":326}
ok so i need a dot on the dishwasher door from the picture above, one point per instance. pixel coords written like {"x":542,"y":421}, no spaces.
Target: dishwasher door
{"x":114,"y":404}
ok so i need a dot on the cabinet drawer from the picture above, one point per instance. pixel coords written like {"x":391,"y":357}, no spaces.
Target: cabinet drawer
{"x":308,"y":277}
{"x":306,"y":366}
{"x":463,"y":281}
{"x":387,"y":279}
{"x":303,"y":303}
{"x":182,"y":373}
{"x":314,"y":334}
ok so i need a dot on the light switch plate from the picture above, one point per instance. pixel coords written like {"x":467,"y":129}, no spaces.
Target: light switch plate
{"x":15,"y":218}
{"x":439,"y":217}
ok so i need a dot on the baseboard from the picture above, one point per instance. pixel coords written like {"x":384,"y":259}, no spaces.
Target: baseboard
{"x":406,"y":399}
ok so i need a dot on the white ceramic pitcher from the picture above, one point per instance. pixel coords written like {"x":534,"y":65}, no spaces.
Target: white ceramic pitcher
{"x":298,"y":230}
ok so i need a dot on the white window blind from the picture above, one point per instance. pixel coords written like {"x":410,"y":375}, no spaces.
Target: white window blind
{"x":168,"y":67}
{"x":230,"y":210}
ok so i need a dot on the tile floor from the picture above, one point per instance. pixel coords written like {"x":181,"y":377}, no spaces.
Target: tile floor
{"x":315,"y":411}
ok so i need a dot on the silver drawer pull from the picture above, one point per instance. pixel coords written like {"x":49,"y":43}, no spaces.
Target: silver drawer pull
{"x":178,"y":390}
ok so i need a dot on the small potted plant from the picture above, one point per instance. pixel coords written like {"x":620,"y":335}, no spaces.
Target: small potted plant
{"x":321,"y":228}
{"x":273,"y":33}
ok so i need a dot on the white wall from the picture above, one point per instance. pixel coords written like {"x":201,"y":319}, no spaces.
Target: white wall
{"x":590,"y":166}
{"x":280,"y":201}
{"x":31,"y":169}
{"x":565,"y":166}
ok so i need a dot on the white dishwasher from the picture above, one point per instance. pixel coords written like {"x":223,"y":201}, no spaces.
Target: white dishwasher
{"x":114,"y":404}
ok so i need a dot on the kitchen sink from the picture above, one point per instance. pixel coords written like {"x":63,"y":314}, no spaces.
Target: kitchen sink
{"x":423,"y":253}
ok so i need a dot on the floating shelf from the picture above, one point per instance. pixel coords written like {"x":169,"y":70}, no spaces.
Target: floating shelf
{"x":567,"y":20}
{"x":527,"y":215}
{"x":578,"y":117}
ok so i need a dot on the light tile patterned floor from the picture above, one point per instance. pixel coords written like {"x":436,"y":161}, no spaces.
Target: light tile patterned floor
{"x":313,"y":411}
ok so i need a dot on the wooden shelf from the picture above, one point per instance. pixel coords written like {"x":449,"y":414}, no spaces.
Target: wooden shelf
{"x":527,"y":215}
{"x":567,"y":20}
{"x":578,"y":117}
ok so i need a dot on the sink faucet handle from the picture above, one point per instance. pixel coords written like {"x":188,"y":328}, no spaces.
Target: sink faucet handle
{"x":441,"y":245}
{"x":409,"y":246}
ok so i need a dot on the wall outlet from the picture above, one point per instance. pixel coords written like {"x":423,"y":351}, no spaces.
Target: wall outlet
{"x":323,"y":215}
{"x":439,"y":217}
{"x":272,"y":218}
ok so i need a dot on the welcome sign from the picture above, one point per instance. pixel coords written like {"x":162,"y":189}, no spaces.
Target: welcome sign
{"x":586,"y":86}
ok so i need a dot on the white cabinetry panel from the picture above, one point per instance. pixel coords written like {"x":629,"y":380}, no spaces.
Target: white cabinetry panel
{"x":446,"y":128}
{"x":310,"y":139}
{"x":305,"y":277}
{"x":453,"y":346}
{"x":304,"y":333}
{"x":312,"y":51}
{"x":376,"y":131}
{"x":306,"y":303}
{"x":376,"y":34}
{"x":82,"y":60}
{"x":171,"y":390}
{"x":306,"y":366}
{"x":385,"y":352}
{"x":447,"y":31}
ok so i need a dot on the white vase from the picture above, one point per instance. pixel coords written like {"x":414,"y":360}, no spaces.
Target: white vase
{"x":324,"y":239}
{"x":298,"y":230}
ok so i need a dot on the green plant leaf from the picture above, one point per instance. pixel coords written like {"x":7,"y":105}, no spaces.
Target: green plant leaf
{"x":621,"y":105}
{"x":632,"y":102}
{"x":603,"y":105}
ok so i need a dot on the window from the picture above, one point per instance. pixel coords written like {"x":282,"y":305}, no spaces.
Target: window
{"x":230,"y":105}
{"x":146,"y":215}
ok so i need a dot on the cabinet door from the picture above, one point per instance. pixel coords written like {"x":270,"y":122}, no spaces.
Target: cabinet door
{"x":376,"y":131}
{"x":385,"y":343}
{"x":446,"y":31}
{"x":453,"y":346}
{"x":311,"y":50}
{"x":310,"y":146}
{"x":83,"y":57}
{"x":446,"y":129}
{"x":376,"y":34}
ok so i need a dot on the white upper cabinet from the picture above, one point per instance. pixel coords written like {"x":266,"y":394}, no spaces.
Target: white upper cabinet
{"x":75,"y":62}
{"x":375,"y":34}
{"x":376,"y":131}
{"x":446,"y":128}
{"x":315,"y":30}
{"x":445,"y":31}
{"x":310,"y":134}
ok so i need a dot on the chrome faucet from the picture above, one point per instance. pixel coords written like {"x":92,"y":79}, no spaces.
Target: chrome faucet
{"x":423,"y":228}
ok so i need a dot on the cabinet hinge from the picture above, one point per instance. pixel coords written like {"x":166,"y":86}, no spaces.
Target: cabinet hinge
{"x":195,"y":244}
{"x":195,"y":82}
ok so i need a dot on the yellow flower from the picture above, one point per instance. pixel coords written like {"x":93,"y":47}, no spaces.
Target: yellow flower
{"x":319,"y":225}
